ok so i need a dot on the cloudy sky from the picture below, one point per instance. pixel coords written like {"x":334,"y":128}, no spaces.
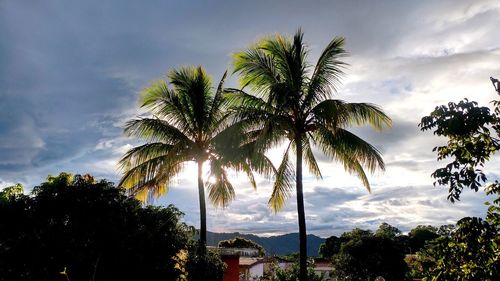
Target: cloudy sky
{"x":70,"y":73}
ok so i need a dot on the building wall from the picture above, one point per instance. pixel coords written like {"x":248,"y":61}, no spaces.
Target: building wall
{"x":232,"y":272}
{"x":257,"y":270}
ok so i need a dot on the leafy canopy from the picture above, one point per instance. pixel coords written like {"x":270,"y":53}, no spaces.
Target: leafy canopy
{"x":364,"y":256}
{"x":469,"y":251}
{"x":472,"y":133}
{"x":90,"y":230}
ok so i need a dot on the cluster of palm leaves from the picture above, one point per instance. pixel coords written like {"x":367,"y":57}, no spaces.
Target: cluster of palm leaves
{"x":289,"y":102}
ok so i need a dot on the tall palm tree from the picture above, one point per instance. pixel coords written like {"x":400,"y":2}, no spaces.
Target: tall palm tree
{"x":293,"y":102}
{"x":188,"y":123}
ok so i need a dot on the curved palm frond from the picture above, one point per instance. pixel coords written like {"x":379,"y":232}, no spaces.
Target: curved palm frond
{"x":352,"y":152}
{"x":151,"y":177}
{"x":154,"y":129}
{"x":218,"y":107}
{"x":309,"y":158}
{"x":283,"y":183}
{"x":194,"y":88}
{"x":147,"y":161}
{"x":338,"y":113}
{"x":257,"y":161}
{"x":367,"y":113}
{"x":342,"y":142}
{"x":327,"y":74}
{"x":143,"y":153}
{"x":220,"y":191}
{"x":256,"y":69}
{"x":165,"y":103}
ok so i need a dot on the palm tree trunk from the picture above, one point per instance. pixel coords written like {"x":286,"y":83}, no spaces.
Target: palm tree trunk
{"x":301,"y":213}
{"x":203,"y":211}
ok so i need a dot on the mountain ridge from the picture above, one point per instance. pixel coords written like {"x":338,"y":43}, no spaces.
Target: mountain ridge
{"x":279,"y":245}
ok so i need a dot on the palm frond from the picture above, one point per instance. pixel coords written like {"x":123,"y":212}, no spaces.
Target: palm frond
{"x":337,"y":113}
{"x":309,"y":158}
{"x":283,"y":183}
{"x":151,"y":178}
{"x":194,"y":89}
{"x":220,"y":191}
{"x":256,"y":68}
{"x":367,"y":113}
{"x":155,"y":129}
{"x":166,"y":104}
{"x":343,"y":146}
{"x":217,"y":106}
{"x":144,"y":153}
{"x":327,"y":74}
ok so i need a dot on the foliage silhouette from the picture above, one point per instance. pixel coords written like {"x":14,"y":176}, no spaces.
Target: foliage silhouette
{"x":364,"y":257}
{"x":420,"y":235}
{"x":88,"y":230}
{"x":469,"y":251}
{"x":203,"y":264}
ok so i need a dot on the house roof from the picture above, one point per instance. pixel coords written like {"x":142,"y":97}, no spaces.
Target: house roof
{"x":249,"y":262}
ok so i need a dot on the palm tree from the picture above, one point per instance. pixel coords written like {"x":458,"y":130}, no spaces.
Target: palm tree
{"x":293,"y":102}
{"x":189,"y":123}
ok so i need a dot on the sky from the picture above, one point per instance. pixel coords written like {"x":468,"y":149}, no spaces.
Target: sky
{"x":71,"y":73}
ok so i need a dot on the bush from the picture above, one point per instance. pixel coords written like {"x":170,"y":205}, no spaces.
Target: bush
{"x":203,"y":264}
{"x":291,"y":274}
{"x":366,"y":257}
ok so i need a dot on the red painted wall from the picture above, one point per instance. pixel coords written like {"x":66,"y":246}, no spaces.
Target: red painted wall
{"x":232,"y":272}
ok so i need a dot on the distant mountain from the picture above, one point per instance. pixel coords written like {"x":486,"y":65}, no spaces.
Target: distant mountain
{"x":274,"y":245}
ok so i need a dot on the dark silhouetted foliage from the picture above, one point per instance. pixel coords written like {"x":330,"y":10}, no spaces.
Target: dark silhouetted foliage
{"x":421,"y":235}
{"x":472,"y":134}
{"x":74,"y":228}
{"x":470,"y":253}
{"x":291,"y":273}
{"x":330,"y":247}
{"x":366,"y":257}
{"x":203,"y":264}
{"x":388,"y":231}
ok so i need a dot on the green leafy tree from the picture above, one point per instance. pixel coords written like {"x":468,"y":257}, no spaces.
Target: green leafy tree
{"x":367,"y":257}
{"x":420,"y":235}
{"x":356,"y":233}
{"x":189,"y":123}
{"x":239,"y":242}
{"x":472,"y":132}
{"x":446,"y":230}
{"x":11,"y":191}
{"x":203,"y":264}
{"x":388,"y":231}
{"x":88,"y":230}
{"x":330,"y":247}
{"x":293,"y":102}
{"x":291,"y":273}
{"x":471,"y":251}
